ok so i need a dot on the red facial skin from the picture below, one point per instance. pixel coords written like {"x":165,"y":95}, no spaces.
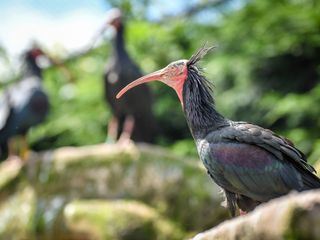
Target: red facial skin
{"x":174,"y":75}
{"x":36,"y":52}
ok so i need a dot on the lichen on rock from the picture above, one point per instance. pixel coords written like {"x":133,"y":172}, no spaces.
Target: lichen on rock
{"x":176,"y":190}
{"x":295,"y":216}
{"x":146,"y":173}
{"x":118,"y":220}
{"x":17,"y":214}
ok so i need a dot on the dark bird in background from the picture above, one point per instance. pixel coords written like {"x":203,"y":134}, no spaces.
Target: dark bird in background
{"x":132,"y":115}
{"x":23,"y":104}
{"x":251,"y":164}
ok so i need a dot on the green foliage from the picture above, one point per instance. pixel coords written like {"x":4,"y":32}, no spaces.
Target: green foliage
{"x":265,"y":70}
{"x":78,"y":113}
{"x":132,"y":9}
{"x":268,"y":68}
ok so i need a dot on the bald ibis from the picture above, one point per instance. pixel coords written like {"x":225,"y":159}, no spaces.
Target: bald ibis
{"x":23,"y":104}
{"x":251,"y":164}
{"x":133,"y":116}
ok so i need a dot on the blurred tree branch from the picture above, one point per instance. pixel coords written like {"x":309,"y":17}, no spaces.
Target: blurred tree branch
{"x":195,"y":9}
{"x":203,"y":5}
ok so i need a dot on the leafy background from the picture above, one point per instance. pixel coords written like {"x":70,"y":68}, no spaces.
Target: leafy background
{"x":265,"y":70}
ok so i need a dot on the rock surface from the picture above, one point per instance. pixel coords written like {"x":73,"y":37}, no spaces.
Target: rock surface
{"x":17,"y":214}
{"x":177,"y":189}
{"x":143,"y":192}
{"x":317,"y":167}
{"x":10,"y":172}
{"x":118,"y":220}
{"x":296,"y":216}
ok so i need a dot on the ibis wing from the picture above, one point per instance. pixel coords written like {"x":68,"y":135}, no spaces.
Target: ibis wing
{"x":250,"y":170}
{"x":280,"y":147}
{"x":253,"y":161}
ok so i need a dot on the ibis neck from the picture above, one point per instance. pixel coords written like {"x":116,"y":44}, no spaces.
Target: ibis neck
{"x":118,"y":42}
{"x":199,"y":106}
{"x":32,"y":69}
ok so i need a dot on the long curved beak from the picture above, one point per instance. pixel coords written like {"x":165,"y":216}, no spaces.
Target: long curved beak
{"x":158,"y":75}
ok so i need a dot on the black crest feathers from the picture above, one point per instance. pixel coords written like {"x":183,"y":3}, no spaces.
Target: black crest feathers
{"x":196,"y":57}
{"x":196,"y":74}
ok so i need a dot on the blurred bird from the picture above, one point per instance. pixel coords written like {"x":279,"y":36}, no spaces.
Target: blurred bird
{"x":23,"y":105}
{"x":251,"y":164}
{"x":132,"y":115}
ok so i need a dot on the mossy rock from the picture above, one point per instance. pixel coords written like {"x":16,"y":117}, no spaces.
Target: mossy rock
{"x":118,"y":220}
{"x":317,"y":167}
{"x":10,"y":173}
{"x":17,"y":215}
{"x":178,"y":188}
{"x":294,"y":216}
{"x":150,"y":174}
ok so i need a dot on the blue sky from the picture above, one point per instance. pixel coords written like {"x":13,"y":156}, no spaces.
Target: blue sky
{"x":55,"y":7}
{"x":65,"y":23}
{"x":68,"y":24}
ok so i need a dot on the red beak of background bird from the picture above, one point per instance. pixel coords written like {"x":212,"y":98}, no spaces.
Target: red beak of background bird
{"x":173,"y":75}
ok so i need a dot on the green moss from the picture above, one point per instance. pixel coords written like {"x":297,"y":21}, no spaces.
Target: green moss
{"x":9,"y":174}
{"x":302,"y":223}
{"x":100,"y":155}
{"x":17,"y":214}
{"x":119,"y":219}
{"x":191,"y":188}
{"x":150,"y":174}
{"x":317,"y":167}
{"x":166,"y":182}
